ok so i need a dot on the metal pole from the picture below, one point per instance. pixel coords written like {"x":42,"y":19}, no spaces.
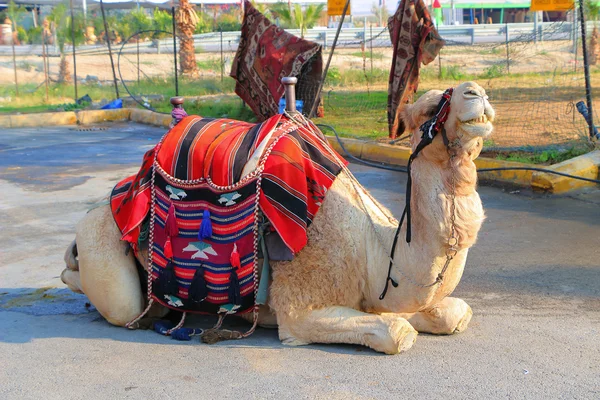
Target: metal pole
{"x":222,"y":63}
{"x":290,"y":93}
{"x":535,"y":27}
{"x":73,"y":44}
{"x":586,"y":69}
{"x":12,"y":42}
{"x":44,"y":61}
{"x":440,"y":64}
{"x":335,"y":39}
{"x":542,"y":28}
{"x":371,"y":33}
{"x":138,"y":58}
{"x":112,"y":64}
{"x":507,"y":50}
{"x":175,"y":53}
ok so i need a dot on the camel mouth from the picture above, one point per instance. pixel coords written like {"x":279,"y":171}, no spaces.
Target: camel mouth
{"x":481,"y":120}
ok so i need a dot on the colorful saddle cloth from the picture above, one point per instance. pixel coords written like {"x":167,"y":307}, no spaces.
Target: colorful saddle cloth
{"x":201,"y":216}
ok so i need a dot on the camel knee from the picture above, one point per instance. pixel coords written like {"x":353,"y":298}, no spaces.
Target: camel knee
{"x":109,"y":276}
{"x":395,"y":335}
{"x":451,"y":315}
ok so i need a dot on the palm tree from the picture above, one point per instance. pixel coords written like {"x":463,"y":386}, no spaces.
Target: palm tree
{"x":15,"y":13}
{"x":187,"y":19}
{"x":262,"y":8}
{"x":61,"y":26}
{"x":295,"y":17}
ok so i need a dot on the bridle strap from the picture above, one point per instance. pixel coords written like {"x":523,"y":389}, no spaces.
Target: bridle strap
{"x":429,"y":130}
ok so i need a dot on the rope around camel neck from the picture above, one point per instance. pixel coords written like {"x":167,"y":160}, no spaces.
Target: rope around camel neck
{"x":356,"y":186}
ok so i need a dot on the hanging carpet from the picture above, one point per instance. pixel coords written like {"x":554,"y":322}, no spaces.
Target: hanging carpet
{"x":414,"y":40}
{"x":265,"y":55}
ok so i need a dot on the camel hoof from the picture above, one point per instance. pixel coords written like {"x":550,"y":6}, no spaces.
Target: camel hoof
{"x":397,"y":338}
{"x":72,"y":280}
{"x":464,"y":322}
{"x":404,"y":336}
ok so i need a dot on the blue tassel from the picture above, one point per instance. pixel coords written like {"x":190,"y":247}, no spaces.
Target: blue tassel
{"x":186,"y":333}
{"x":205,"y":231}
{"x":163,"y":326}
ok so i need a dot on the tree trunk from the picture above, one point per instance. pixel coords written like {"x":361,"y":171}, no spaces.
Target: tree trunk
{"x":64,"y":72}
{"x":186,"y":24}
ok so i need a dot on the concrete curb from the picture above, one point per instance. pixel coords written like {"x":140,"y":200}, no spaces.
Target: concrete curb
{"x":37,"y":120}
{"x":150,"y":117}
{"x":85,"y":117}
{"x":586,"y":165}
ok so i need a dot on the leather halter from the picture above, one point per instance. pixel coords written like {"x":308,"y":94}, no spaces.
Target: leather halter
{"x":429,"y":130}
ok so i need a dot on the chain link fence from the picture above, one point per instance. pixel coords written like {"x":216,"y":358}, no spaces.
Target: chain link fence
{"x":532,"y":74}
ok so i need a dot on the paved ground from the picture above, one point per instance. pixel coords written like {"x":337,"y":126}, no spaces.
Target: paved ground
{"x":532,"y":279}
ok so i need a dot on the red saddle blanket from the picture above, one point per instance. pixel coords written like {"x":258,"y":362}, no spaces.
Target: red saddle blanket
{"x":296,"y":175}
{"x":200,"y":216}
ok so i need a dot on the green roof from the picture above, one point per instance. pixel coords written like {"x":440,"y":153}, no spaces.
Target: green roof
{"x":488,"y":5}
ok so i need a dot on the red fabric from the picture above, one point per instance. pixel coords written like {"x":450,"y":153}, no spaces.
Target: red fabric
{"x":415,"y":41}
{"x":265,"y":55}
{"x":233,"y":233}
{"x":296,"y":176}
{"x":130,"y":200}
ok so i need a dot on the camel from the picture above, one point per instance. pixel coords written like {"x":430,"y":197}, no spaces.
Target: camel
{"x":330,"y":292}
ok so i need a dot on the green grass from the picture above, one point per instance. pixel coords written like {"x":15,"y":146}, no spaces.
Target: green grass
{"x":228,"y":106}
{"x":13,"y":109}
{"x":32,"y":98}
{"x":367,"y":54}
{"x":493,"y":71}
{"x":209,"y":65}
{"x":553,"y":156}
{"x":356,"y":77}
{"x":359,"y":114}
{"x":450,"y":72}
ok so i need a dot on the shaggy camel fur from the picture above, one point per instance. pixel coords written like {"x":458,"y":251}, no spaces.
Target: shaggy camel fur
{"x":330,"y":292}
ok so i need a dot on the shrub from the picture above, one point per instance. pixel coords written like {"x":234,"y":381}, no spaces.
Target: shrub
{"x":34,"y":35}
{"x":22,"y":35}
{"x":334,"y":76}
{"x":204,"y":24}
{"x":494,"y":71}
{"x":452,"y":72}
{"x":162,"y":21}
{"x":229,"y":22}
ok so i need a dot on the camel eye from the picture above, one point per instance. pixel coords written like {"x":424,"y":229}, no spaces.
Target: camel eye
{"x":472,"y":93}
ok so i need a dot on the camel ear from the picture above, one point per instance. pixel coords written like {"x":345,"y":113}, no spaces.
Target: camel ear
{"x":414,"y":115}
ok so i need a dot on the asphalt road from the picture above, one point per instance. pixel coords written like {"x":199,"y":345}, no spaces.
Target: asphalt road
{"x":533,"y":281}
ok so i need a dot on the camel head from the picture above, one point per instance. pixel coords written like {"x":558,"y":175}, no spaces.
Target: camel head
{"x":470,"y":118}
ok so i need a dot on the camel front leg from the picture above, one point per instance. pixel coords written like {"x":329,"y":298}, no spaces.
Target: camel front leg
{"x":107,"y":275}
{"x":385,"y":333}
{"x":451,"y":315}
